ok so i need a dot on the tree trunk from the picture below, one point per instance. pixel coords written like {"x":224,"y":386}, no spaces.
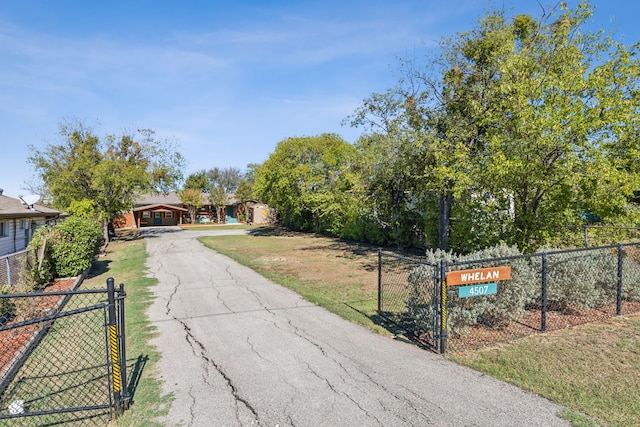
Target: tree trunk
{"x":105,"y":235}
{"x":444,"y":221}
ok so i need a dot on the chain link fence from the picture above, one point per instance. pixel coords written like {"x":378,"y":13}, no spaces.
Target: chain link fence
{"x":58,"y":361}
{"x":546,"y":291}
{"x":407,"y":296}
{"x":13,"y":267}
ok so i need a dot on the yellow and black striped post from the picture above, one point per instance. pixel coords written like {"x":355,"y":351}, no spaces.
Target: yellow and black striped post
{"x":114,"y":348}
{"x":443,"y":307}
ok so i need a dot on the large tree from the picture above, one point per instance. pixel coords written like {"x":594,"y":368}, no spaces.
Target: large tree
{"x":244,"y":193}
{"x":198,"y":180}
{"x":223,"y":183}
{"x":523,"y":123}
{"x":191,"y":193}
{"x":308,"y":181}
{"x":192,"y":199}
{"x":109,"y":172}
{"x":558,"y":138}
{"x":391,"y":171}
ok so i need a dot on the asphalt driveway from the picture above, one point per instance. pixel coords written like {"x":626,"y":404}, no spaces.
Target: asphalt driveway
{"x":238,"y":350}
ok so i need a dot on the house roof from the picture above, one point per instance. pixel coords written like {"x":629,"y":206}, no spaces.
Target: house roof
{"x":159,"y":207}
{"x":14,"y":208}
{"x":159,"y":199}
{"x":173,"y":199}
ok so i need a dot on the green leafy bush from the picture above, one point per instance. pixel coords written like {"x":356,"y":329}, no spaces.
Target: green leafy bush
{"x":64,"y":250}
{"x":75,"y":243}
{"x":582,"y":279}
{"x":631,"y":275}
{"x":512,"y":297}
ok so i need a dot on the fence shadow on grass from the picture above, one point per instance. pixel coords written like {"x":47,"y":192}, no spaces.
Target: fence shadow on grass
{"x":136,"y":374}
{"x":98,"y":268}
{"x":397,"y":325}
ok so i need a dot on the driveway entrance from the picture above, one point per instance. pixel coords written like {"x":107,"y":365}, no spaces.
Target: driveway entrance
{"x":238,"y":350}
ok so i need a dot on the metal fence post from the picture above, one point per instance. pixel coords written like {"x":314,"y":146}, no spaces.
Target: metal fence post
{"x":379,"y":281}
{"x":619,"y":290}
{"x":113,"y":347}
{"x":586,"y":236}
{"x":8,"y":271}
{"x":123,"y":353}
{"x":543,"y":308}
{"x":443,"y":307}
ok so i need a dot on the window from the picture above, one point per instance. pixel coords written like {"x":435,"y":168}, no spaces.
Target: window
{"x":146,"y":214}
{"x":3,"y":229}
{"x":168,"y":214}
{"x":23,"y":224}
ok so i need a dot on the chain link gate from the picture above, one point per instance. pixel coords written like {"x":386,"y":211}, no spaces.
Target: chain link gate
{"x":62,"y":357}
{"x":409,"y":298}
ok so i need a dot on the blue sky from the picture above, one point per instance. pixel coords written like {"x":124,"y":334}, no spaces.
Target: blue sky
{"x":225,"y":80}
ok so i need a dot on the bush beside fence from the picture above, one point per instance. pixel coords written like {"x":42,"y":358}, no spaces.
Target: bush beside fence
{"x":548,"y":290}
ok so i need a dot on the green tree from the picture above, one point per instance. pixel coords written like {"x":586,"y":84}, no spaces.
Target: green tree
{"x":109,"y":172}
{"x":563,"y":118}
{"x":223,"y":183}
{"x":83,"y":208}
{"x":191,"y":194}
{"x":244,"y":193}
{"x":391,"y":169}
{"x":219,"y":200}
{"x":522,"y":124}
{"x":198,"y":180}
{"x":192,"y":198}
{"x":228,"y":179}
{"x":307,"y":180}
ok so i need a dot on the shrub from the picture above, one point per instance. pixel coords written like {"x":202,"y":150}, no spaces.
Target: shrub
{"x":421,"y":310}
{"x":589,"y":279}
{"x":583,"y":279}
{"x":76,"y":241}
{"x":512,"y":297}
{"x":64,"y":250}
{"x":508,"y":304}
{"x":631,"y":273}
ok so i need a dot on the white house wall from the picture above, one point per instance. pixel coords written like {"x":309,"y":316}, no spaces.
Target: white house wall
{"x":16,"y":237}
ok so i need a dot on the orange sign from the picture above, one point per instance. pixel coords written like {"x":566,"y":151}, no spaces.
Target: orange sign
{"x":480,"y":275}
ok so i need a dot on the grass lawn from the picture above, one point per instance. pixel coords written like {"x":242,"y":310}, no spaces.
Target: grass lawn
{"x":592,"y":370}
{"x":125,"y":262}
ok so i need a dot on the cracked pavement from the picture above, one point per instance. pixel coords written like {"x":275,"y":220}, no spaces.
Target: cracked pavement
{"x":238,"y":350}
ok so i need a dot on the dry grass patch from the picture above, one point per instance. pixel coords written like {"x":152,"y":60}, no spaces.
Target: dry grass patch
{"x":340,"y":276}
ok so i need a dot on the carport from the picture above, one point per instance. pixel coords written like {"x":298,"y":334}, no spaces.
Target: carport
{"x":158,"y":215}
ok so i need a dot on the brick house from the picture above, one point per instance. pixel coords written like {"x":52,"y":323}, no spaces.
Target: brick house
{"x":168,"y":209}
